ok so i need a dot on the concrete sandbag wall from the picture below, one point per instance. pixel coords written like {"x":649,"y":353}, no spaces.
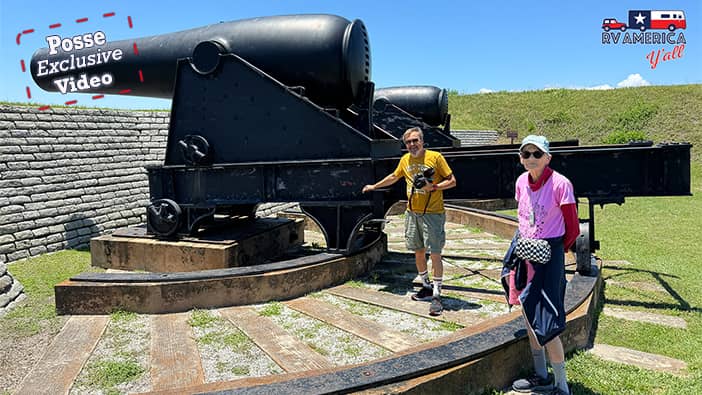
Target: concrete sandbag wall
{"x":69,"y":174}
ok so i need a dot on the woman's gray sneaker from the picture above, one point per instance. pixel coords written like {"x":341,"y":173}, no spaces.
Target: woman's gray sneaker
{"x":535,"y":383}
{"x":436,"y":307}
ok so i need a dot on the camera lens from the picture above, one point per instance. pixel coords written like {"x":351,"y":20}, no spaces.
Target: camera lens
{"x":419,"y":181}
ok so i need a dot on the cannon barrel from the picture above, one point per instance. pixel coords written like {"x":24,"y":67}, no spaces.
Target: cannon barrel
{"x":326,"y":54}
{"x":426,"y":102}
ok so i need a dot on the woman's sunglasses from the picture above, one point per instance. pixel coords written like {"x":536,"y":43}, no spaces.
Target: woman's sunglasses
{"x":527,"y":154}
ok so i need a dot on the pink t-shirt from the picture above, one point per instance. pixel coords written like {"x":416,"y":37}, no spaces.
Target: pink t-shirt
{"x":545,"y":204}
{"x":548,"y":218}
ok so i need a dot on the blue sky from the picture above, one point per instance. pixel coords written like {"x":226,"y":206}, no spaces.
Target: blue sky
{"x":466,"y":46}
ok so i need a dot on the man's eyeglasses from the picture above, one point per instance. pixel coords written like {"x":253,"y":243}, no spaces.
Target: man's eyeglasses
{"x":411,"y":141}
{"x":527,"y":154}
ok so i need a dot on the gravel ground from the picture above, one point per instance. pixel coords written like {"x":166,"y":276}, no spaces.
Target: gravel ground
{"x":126,"y":341}
{"x":227,"y":354}
{"x":485,"y":308}
{"x":339,"y":347}
{"x":480,"y":243}
{"x":475,"y":282}
{"x":472,"y":264}
{"x":424,"y":329}
{"x":486,"y":254}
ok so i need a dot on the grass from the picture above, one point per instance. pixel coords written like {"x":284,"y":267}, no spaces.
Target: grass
{"x":122,"y":335}
{"x":219,"y":335}
{"x":473,"y":229}
{"x":118,"y":357}
{"x":355,"y":284}
{"x":108,"y":374}
{"x":447,"y":326}
{"x":310,"y":332}
{"x":362,"y":309}
{"x":271,"y":309}
{"x":319,"y":350}
{"x":349,"y":348}
{"x":38,"y":276}
{"x":121,"y":316}
{"x":202,"y":319}
{"x":588,"y":374}
{"x":661,"y":113}
{"x":658,"y":236}
{"x":235,"y":340}
{"x":240,"y":370}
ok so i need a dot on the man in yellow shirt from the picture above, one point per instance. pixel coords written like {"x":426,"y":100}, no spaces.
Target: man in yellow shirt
{"x":425,"y":217}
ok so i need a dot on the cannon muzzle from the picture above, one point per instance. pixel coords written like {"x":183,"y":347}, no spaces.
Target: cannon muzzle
{"x":426,"y":102}
{"x":326,"y":54}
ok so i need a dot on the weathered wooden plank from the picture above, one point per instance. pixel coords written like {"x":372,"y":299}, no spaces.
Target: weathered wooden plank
{"x":175,"y":359}
{"x":362,"y":327}
{"x":65,"y":356}
{"x":404,"y":303}
{"x":290,"y":353}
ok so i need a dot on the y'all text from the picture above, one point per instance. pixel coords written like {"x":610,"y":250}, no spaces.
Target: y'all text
{"x":662,"y":55}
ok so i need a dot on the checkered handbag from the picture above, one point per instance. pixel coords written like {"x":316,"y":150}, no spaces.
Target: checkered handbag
{"x":533,"y":250}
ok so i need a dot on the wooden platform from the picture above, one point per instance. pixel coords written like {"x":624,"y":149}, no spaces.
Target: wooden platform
{"x":243,"y":245}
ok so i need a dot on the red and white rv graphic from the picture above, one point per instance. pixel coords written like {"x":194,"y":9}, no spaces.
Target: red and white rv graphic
{"x":657,"y":20}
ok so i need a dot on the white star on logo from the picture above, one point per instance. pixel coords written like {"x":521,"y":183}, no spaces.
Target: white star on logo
{"x":639,"y":19}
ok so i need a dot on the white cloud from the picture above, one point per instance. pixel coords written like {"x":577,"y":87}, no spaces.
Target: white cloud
{"x":633,"y":80}
{"x":582,"y":88}
{"x":603,"y":87}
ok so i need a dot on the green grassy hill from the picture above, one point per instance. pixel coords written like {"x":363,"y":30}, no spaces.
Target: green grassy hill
{"x":659,"y":113}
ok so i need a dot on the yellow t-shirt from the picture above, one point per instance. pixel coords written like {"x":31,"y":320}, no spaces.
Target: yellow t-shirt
{"x":410,"y":166}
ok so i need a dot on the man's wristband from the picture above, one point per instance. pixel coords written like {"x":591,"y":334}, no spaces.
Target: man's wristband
{"x":434,"y":187}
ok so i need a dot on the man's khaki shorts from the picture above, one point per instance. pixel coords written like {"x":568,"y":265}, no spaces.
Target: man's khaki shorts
{"x":425,"y":231}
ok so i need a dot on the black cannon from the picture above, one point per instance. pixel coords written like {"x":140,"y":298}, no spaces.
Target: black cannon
{"x":397,"y":108}
{"x":426,"y":102}
{"x":327,"y":55}
{"x":282,"y":109}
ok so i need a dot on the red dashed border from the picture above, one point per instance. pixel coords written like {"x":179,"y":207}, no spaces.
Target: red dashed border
{"x":79,"y":20}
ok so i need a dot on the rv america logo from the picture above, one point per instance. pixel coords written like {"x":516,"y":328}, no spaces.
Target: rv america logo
{"x":649,"y":27}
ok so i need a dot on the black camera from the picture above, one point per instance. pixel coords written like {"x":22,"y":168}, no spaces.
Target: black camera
{"x":423,"y":178}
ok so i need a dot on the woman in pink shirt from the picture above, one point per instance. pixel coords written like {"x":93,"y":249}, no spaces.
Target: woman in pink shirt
{"x":546,"y":210}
